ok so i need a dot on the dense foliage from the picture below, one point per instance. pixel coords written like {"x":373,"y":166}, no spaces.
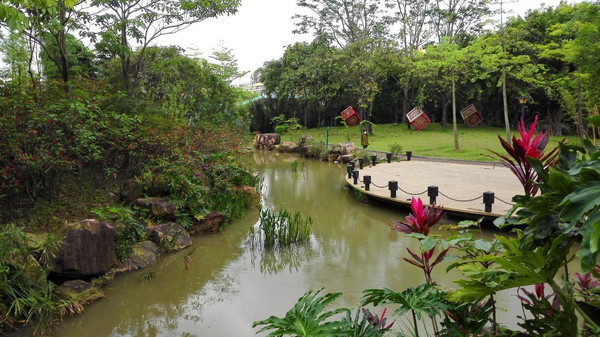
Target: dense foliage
{"x":439,"y":60}
{"x":78,"y":124}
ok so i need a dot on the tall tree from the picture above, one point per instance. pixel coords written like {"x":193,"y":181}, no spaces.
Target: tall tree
{"x":343,"y":21}
{"x":582,"y":51}
{"x":450,"y":64}
{"x":454,"y":19}
{"x":125,"y":22}
{"x":47,"y":23}
{"x":226,"y":64}
{"x":412,"y":19}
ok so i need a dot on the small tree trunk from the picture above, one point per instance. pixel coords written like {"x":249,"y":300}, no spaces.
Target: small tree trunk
{"x":454,"y":126}
{"x":505,"y":104}
{"x":579,"y":114}
{"x":405,"y":106}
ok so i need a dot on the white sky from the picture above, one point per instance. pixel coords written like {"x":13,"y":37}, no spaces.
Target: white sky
{"x":261,"y":29}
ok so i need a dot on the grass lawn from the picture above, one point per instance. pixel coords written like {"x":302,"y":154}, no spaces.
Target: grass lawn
{"x":432,"y":141}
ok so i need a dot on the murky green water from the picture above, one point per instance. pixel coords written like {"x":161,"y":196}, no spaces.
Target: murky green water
{"x":228,"y":285}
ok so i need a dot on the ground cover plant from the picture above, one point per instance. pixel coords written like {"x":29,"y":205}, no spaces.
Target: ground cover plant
{"x":432,"y":141}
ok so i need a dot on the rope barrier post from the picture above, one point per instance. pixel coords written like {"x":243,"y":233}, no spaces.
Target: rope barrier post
{"x":355,"y":176}
{"x":361,"y":162}
{"x":388,"y":156}
{"x":353,"y":163}
{"x":349,"y":170}
{"x":367,"y":181}
{"x":488,"y":200}
{"x":432,"y":192}
{"x":393,"y":186}
{"x":408,"y":155}
{"x":374,"y":159}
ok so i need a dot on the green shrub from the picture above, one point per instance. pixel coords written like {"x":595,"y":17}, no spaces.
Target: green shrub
{"x":26,"y":297}
{"x":395,"y":148}
{"x":283,"y":125}
{"x":315,"y":149}
{"x":364,"y":154}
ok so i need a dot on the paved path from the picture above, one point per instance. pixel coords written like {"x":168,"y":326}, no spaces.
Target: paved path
{"x":456,"y":182}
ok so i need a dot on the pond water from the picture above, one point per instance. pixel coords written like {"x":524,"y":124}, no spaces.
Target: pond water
{"x":229,"y":285}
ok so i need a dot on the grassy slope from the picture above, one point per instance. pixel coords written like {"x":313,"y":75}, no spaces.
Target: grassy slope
{"x":432,"y":141}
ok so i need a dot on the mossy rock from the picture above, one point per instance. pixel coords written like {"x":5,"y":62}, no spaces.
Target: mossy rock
{"x":80,"y":291}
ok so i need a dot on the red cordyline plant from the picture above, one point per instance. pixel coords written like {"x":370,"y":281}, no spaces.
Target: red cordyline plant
{"x":537,"y":297}
{"x":521,"y":149}
{"x":420,"y":221}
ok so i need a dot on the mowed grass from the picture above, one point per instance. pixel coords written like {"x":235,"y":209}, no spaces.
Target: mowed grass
{"x":432,"y":141}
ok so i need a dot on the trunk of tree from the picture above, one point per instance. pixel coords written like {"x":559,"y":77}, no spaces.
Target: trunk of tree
{"x":370,"y":116}
{"x":444,"y":112}
{"x":405,"y":105}
{"x":30,"y":64}
{"x":579,"y":115}
{"x":554,"y":119}
{"x":395,"y":108}
{"x":63,"y":60}
{"x":505,"y":105}
{"x":125,"y":59}
{"x":454,"y":126}
{"x":305,"y":112}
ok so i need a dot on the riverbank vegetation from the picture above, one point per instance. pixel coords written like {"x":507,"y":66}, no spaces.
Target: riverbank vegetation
{"x":80,"y":127}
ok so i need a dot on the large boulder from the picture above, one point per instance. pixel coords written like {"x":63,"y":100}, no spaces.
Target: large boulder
{"x":170,"y":236}
{"x":88,"y":249}
{"x":346,"y":159}
{"x":266,"y":141}
{"x":210,"y":223}
{"x":143,"y":255}
{"x":158,"y":208}
{"x":251,"y":192}
{"x":347,"y":148}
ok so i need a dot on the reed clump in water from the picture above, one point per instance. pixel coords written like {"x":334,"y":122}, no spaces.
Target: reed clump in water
{"x":282,"y":228}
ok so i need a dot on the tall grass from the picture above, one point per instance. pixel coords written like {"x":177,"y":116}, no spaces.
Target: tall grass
{"x":282,"y":228}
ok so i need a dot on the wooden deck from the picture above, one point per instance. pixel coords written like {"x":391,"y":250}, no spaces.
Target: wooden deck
{"x":461,"y":185}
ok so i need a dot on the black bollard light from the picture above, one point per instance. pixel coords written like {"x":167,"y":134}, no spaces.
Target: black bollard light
{"x":355,"y":176}
{"x":374,"y":159}
{"x":488,"y":200}
{"x":353,"y":163}
{"x":349,"y":170}
{"x":367,"y":181}
{"x":361,"y":162}
{"x":432,"y":192}
{"x":408,"y":155}
{"x":388,"y":156}
{"x":393,"y":186}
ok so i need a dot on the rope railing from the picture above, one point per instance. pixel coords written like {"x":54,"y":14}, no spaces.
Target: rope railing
{"x":432,"y":191}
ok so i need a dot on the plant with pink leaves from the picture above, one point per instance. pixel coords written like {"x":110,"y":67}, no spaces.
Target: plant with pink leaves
{"x":418,"y":224}
{"x":527,"y":146}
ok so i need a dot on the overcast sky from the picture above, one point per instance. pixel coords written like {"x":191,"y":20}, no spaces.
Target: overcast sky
{"x":261,"y":29}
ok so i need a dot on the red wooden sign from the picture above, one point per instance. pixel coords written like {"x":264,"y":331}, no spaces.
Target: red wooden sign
{"x":471,"y":116}
{"x":350,"y":116}
{"x":418,"y":118}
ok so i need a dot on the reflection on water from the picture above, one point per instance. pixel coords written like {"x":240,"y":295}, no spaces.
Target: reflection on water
{"x":229,"y":284}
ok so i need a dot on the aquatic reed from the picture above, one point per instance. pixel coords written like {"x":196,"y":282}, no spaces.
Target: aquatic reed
{"x":283,"y":228}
